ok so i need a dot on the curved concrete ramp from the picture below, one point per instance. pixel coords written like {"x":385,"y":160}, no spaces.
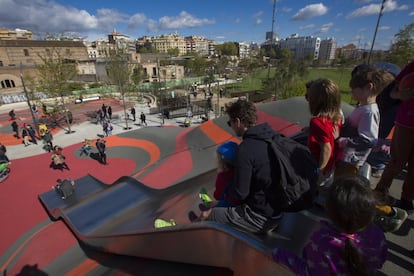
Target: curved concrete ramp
{"x":119,"y":218}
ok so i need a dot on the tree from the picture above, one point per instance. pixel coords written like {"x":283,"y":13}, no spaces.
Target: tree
{"x":227,"y":49}
{"x":54,"y":76}
{"x":119,"y":73}
{"x":402,"y":51}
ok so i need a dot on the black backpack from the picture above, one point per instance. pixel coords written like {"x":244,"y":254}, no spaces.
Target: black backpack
{"x":295,"y":177}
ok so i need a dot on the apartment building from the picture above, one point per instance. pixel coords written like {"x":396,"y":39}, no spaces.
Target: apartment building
{"x":302,"y":46}
{"x":163,"y":43}
{"x":17,"y":34}
{"x":327,"y":50}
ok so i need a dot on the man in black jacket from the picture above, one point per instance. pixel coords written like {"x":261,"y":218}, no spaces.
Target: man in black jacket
{"x":101,"y":146}
{"x":253,"y":173}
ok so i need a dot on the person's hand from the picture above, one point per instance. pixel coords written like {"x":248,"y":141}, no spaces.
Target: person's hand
{"x":336,"y":132}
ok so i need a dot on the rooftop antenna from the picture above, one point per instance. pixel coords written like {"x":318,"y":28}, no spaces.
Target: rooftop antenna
{"x":376,"y":29}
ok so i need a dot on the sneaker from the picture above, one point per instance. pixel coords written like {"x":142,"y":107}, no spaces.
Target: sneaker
{"x":391,"y":223}
{"x":204,"y":196}
{"x":160,"y":223}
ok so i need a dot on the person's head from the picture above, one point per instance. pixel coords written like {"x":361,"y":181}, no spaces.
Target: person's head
{"x":242,"y":115}
{"x":351,"y":204}
{"x":325,"y":99}
{"x":226,"y":155}
{"x":367,"y":83}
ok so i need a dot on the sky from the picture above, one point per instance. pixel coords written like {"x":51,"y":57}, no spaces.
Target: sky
{"x":348,"y":21}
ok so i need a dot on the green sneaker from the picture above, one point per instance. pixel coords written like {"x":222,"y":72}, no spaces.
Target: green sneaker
{"x":391,"y":223}
{"x":160,"y":223}
{"x":204,"y":196}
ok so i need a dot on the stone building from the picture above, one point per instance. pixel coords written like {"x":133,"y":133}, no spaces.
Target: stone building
{"x":22,"y":56}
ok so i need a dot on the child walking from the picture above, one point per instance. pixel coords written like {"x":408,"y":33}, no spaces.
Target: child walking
{"x":348,"y":245}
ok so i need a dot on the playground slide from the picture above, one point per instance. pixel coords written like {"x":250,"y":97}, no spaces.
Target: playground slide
{"x":119,"y":219}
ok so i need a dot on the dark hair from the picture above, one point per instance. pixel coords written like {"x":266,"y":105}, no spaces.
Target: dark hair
{"x":244,"y":110}
{"x":378,"y":77}
{"x":351,"y":207}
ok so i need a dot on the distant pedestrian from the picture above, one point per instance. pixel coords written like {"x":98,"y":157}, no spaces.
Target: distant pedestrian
{"x":100,"y":116}
{"x":105,"y":128}
{"x":12,"y":115}
{"x":109,"y":128}
{"x":15,"y":128}
{"x":133,"y":113}
{"x":32,"y":134}
{"x":101,"y":146}
{"x":25,"y":136}
{"x":47,"y":139}
{"x":104,"y":110}
{"x":109,"y":112}
{"x":143,"y":119}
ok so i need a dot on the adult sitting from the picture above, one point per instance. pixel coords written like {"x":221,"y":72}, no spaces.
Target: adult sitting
{"x":253,"y":174}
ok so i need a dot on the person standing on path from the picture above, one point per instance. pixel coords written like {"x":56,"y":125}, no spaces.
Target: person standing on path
{"x":25,"y":136}
{"x":100,"y":145}
{"x":15,"y":128}
{"x":104,"y":111}
{"x":109,"y":112}
{"x":143,"y":119}
{"x":133,"y":113}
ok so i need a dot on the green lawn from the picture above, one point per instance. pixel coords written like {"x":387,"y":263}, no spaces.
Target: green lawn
{"x":339,"y":76}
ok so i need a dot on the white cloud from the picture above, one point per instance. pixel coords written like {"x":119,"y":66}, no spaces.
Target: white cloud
{"x":383,"y":28}
{"x":137,"y":20}
{"x":183,"y":20}
{"x":257,"y":17}
{"x":286,"y":9}
{"x":411,"y":13}
{"x":310,"y":26}
{"x":310,"y":11}
{"x":45,"y":16}
{"x":326,"y":27}
{"x":390,"y":5}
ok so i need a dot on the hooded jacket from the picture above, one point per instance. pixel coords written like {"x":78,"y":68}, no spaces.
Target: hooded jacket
{"x":253,"y":170}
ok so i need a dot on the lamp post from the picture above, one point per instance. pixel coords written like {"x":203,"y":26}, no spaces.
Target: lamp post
{"x":376,"y":29}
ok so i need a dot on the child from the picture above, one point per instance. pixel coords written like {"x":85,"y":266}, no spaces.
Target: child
{"x":360,"y":130}
{"x":324,"y":104}
{"x":360,"y":133}
{"x":402,"y":145}
{"x":226,"y":154}
{"x":351,"y":244}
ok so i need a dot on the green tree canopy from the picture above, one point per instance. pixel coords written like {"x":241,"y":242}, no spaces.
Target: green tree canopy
{"x":402,"y":51}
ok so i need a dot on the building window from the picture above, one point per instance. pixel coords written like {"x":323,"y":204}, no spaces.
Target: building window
{"x":26,"y":52}
{"x":1,"y":63}
{"x":7,"y":84}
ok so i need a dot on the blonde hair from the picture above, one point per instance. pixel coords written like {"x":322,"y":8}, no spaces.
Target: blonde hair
{"x":325,"y":100}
